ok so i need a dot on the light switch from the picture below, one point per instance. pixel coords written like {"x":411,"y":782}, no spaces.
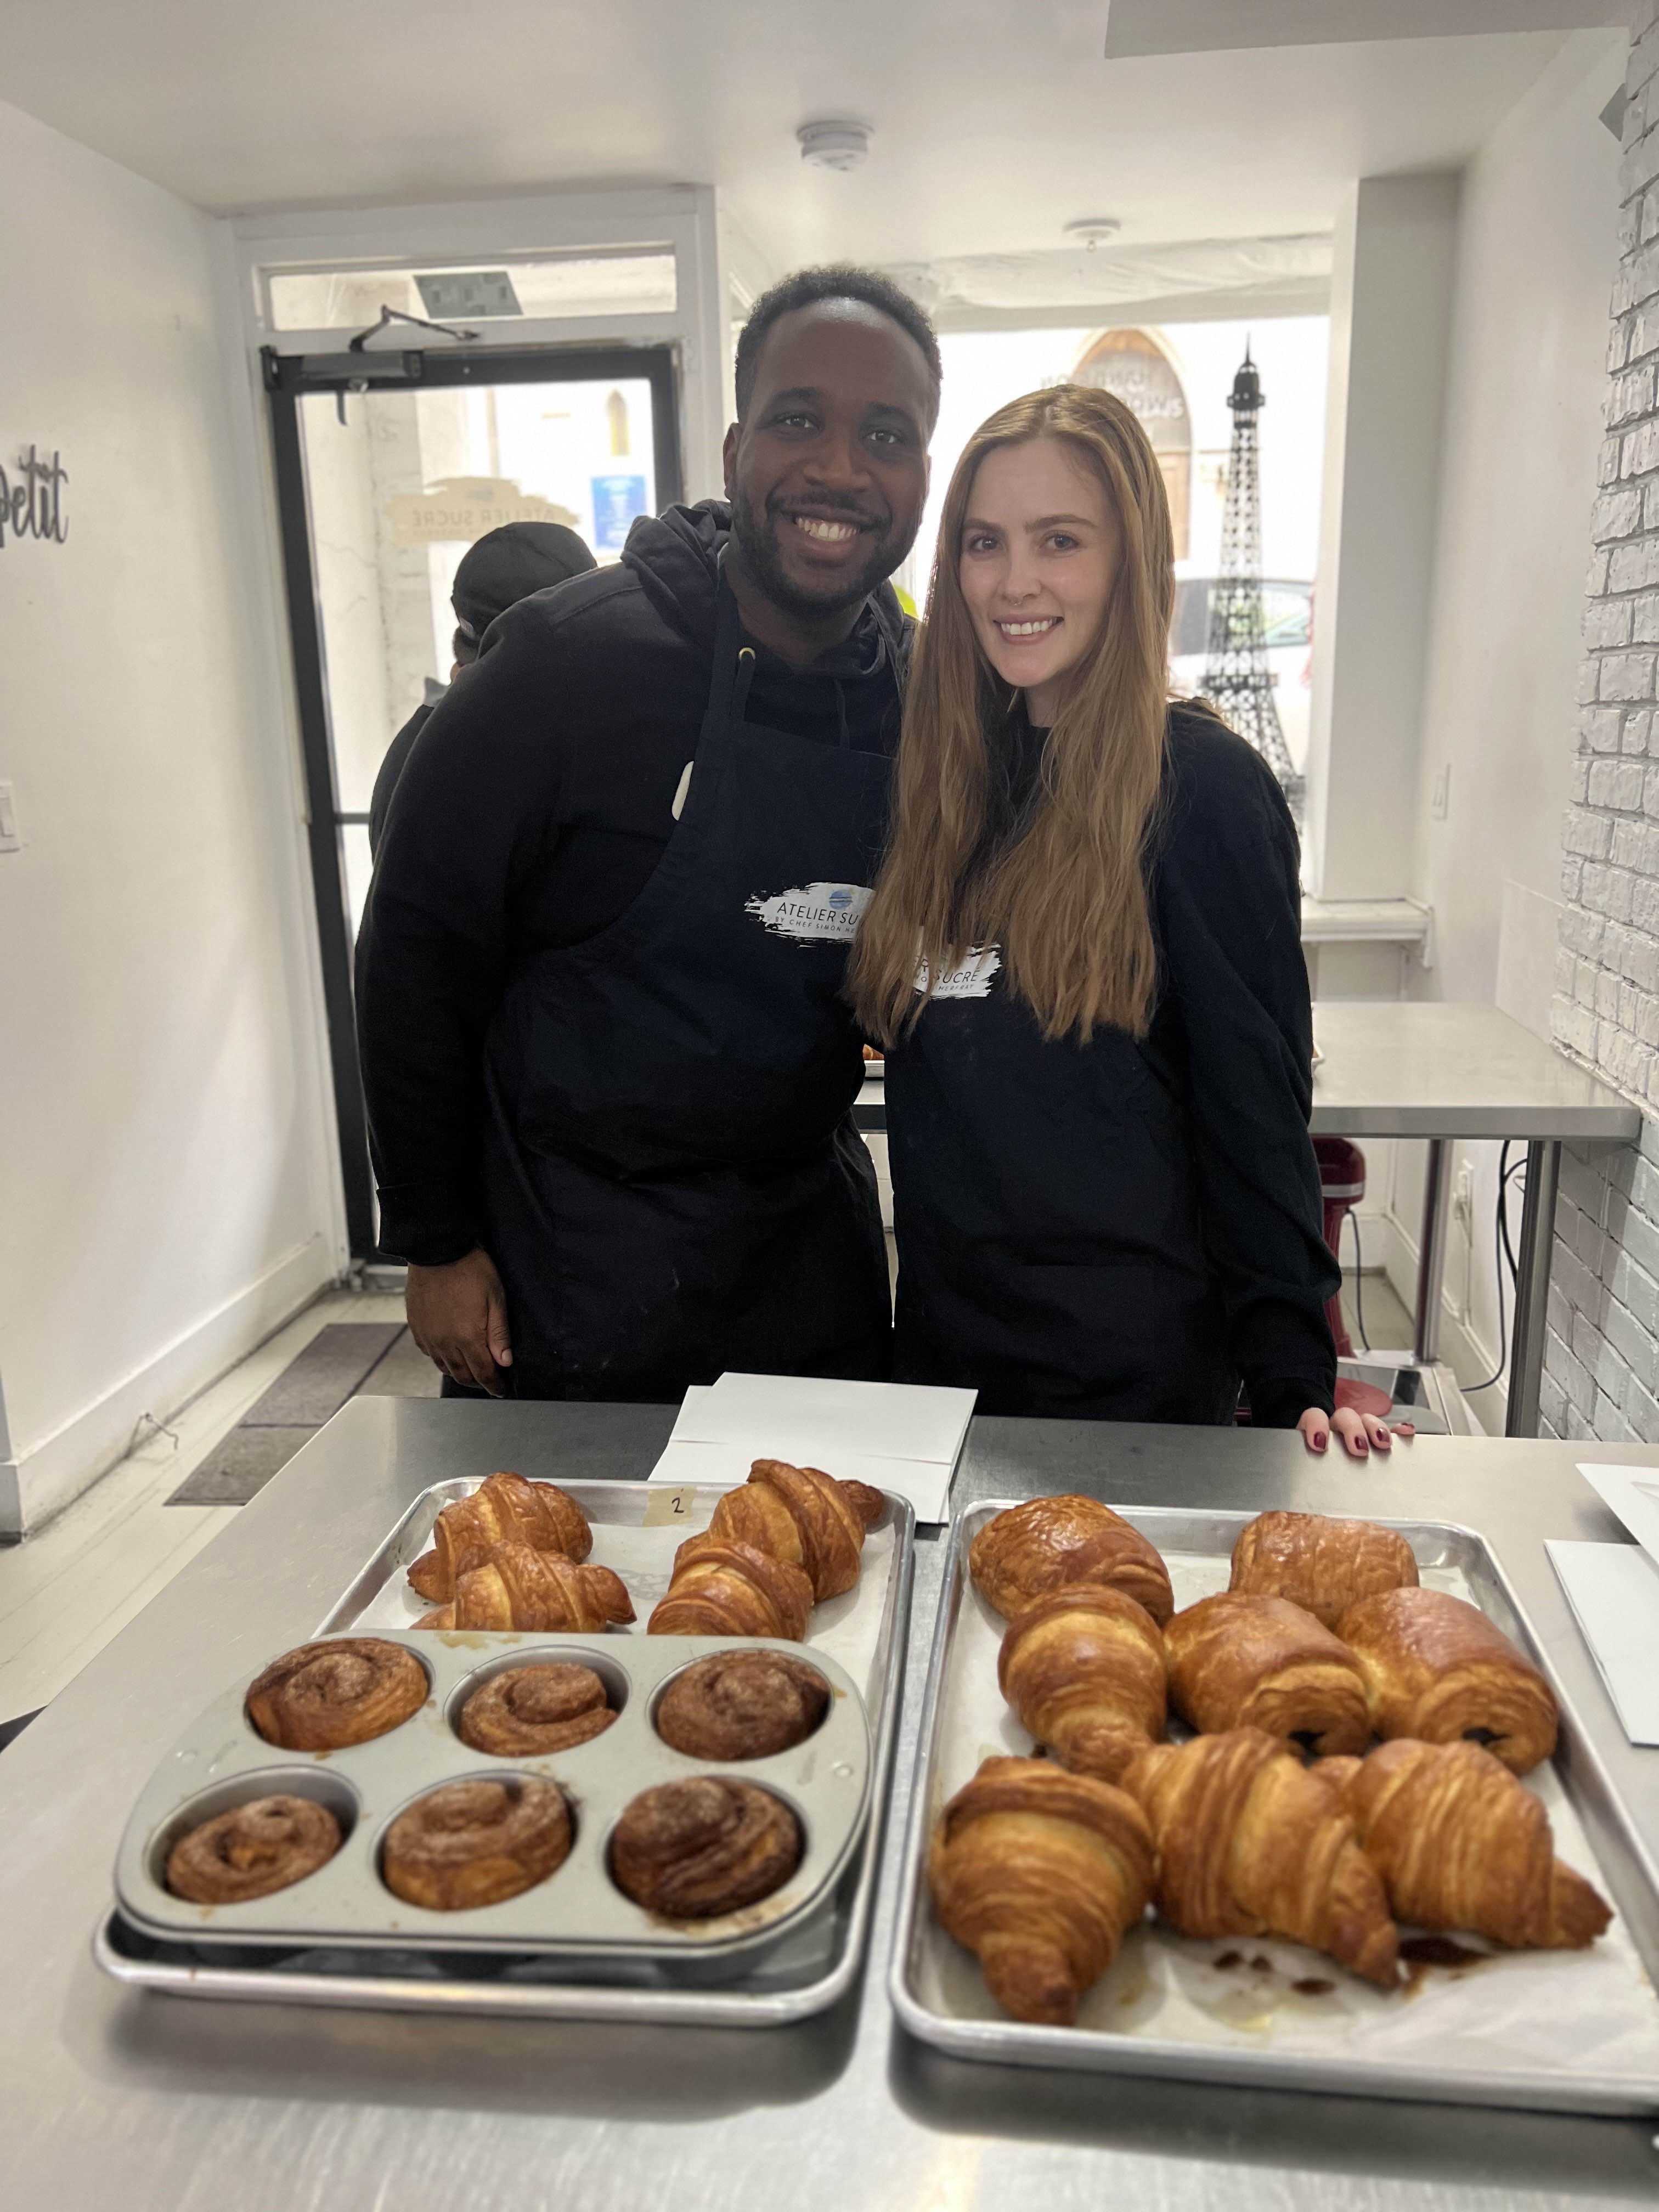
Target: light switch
{"x":10,"y":840}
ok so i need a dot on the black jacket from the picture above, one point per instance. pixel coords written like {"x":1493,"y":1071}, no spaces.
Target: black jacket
{"x":391,"y":774}
{"x":532,"y":813}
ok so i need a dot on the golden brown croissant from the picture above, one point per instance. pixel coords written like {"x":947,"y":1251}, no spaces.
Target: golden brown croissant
{"x":339,"y":1691}
{"x":721,"y":1588}
{"x":804,"y":1516}
{"x":1461,"y":1844}
{"x":1437,"y":1668}
{"x":1021,"y":1555}
{"x":1321,"y":1564}
{"x":1250,"y":1843}
{"x":1083,"y":1669}
{"x":1041,"y":1872}
{"x":1241,"y":1661}
{"x":514,"y":1587}
{"x":505,"y":1509}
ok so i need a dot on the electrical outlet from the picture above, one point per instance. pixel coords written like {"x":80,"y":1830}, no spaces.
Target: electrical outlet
{"x":10,"y":837}
{"x":1440,"y":797}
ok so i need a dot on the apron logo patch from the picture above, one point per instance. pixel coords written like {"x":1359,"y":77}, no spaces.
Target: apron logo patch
{"x":814,"y":914}
{"x":970,"y":980}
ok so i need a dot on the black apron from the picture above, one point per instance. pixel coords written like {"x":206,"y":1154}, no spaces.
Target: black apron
{"x":672,"y":1183}
{"x":1046,"y":1211}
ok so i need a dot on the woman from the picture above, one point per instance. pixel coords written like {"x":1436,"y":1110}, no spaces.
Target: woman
{"x":1084,"y":959}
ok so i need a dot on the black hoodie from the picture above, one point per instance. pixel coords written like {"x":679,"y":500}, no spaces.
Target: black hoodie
{"x":534,"y":807}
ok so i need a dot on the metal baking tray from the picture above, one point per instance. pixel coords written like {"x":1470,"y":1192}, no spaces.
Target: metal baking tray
{"x":577,"y":1912}
{"x":803,"y":1964}
{"x":1563,"y":2031}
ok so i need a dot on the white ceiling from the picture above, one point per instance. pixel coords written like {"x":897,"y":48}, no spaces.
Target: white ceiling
{"x":994,"y":124}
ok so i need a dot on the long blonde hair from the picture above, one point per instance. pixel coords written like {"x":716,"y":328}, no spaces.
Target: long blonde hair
{"x":1063,"y":891}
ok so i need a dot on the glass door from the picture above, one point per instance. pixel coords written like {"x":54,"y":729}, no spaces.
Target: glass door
{"x":389,"y":466}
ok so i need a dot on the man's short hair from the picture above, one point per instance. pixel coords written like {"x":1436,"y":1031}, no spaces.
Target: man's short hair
{"x":838,"y":281}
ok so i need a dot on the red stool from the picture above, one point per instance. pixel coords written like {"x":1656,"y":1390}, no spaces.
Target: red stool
{"x":1342,"y":1185}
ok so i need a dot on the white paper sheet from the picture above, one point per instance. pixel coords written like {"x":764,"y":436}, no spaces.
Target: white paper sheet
{"x":1613,"y":1591}
{"x":1585,"y":2012}
{"x":897,"y":1437}
{"x":1633,"y":1494}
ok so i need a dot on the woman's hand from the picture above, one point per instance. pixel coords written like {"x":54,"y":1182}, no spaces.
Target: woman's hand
{"x":1361,"y":1433}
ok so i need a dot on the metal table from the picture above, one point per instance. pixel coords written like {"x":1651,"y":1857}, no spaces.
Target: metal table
{"x":1444,"y":1070}
{"x":158,"y":2105}
{"x":1398,"y":1069}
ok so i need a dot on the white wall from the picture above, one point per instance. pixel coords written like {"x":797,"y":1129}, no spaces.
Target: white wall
{"x":165,"y":1190}
{"x":1537,"y":249}
{"x":1391,"y":289}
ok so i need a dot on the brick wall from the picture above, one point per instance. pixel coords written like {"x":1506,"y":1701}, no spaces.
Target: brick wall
{"x":1602,"y":1368}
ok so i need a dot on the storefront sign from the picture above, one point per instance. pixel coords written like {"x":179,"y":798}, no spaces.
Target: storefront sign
{"x":32,"y":499}
{"x":461,"y":509}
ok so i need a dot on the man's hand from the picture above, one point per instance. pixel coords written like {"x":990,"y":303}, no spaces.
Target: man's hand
{"x":458,"y":1315}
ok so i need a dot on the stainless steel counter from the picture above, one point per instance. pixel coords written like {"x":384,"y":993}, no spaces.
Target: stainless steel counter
{"x":156,"y":2105}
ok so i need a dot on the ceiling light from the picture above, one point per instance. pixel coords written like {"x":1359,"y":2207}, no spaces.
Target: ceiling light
{"x":1093,"y":230}
{"x":834,"y":145}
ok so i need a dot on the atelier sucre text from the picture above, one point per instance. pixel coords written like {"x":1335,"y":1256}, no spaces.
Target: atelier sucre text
{"x":32,"y":499}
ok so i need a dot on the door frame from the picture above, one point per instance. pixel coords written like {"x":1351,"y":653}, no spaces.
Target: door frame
{"x":288,"y":378}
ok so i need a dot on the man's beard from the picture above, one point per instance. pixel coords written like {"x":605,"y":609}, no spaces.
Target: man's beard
{"x":762,"y":556}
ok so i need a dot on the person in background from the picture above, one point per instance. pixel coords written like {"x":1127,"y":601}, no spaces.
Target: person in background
{"x":495,"y":572}
{"x":608,"y":1066}
{"x":1082,"y":960}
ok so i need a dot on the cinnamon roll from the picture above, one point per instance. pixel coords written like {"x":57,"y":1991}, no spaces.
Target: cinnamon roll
{"x":325,"y":1696}
{"x":691,"y":1850}
{"x":253,"y":1849}
{"x":527,"y":1711}
{"x":742,"y":1704}
{"x":476,"y":1843}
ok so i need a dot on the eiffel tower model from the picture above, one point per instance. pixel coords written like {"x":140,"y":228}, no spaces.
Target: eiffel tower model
{"x":1236,"y":677}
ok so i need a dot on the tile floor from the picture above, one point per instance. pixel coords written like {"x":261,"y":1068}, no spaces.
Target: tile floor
{"x":66,"y":1592}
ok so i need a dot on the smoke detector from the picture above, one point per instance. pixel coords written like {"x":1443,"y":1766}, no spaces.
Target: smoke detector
{"x":834,"y":145}
{"x":1093,"y":230}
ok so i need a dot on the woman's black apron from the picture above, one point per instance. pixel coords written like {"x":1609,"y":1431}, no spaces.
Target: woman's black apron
{"x":672,"y":1183}
{"x":1046,"y":1210}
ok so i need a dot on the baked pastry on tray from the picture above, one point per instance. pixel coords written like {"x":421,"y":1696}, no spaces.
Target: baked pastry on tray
{"x":528,"y":1712}
{"x":1242,"y":1662}
{"x":1437,"y":1669}
{"x":471,"y":1843}
{"x":742,"y":1704}
{"x":505,"y":1509}
{"x":723,"y":1588}
{"x":339,"y":1691}
{"x":1023,"y":1554}
{"x":1084,"y":1670}
{"x":804,"y":1516}
{"x":515,"y":1587}
{"x":694,"y":1849}
{"x":252,"y":1850}
{"x":1323,"y":1565}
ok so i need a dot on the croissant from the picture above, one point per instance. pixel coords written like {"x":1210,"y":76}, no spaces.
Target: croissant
{"x":1021,"y":1555}
{"x":1437,"y":1668}
{"x":505,"y":1509}
{"x":1083,"y":1669}
{"x":721,"y":1588}
{"x":514,"y":1587}
{"x":1321,"y":1564}
{"x":1250,"y":1843}
{"x":804,"y":1516}
{"x":1461,"y":1844}
{"x":1040,"y":1872}
{"x":1241,"y":1661}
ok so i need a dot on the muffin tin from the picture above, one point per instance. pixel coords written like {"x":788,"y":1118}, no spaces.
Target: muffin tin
{"x":577,"y":1913}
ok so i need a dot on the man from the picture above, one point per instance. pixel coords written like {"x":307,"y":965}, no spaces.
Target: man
{"x":608,"y":1069}
{"x":495,"y":572}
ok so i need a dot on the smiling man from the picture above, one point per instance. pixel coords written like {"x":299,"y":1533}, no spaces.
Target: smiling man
{"x":608,"y":1069}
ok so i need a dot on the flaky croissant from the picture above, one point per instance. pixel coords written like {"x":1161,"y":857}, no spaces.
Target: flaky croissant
{"x":1250,"y":1843}
{"x":1047,"y":1543}
{"x":721,"y":1589}
{"x":1461,"y":1844}
{"x":505,"y":1509}
{"x":804,"y":1516}
{"x":1438,"y":1669}
{"x":514,"y":1587}
{"x":1041,"y":1872}
{"x":1324,"y":1566}
{"x":1083,"y":1669}
{"x":1241,"y":1661}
